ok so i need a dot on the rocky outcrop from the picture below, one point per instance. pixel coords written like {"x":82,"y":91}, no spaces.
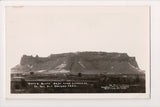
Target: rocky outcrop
{"x":84,"y":62}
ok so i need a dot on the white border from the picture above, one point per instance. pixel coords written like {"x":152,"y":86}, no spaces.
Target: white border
{"x":155,"y":55}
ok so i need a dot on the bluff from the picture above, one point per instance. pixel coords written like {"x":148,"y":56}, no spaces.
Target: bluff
{"x":84,"y":62}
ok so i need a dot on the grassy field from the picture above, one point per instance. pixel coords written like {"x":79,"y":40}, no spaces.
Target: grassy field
{"x":77,"y":83}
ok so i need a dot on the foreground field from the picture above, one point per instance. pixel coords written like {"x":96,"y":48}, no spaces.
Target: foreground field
{"x":77,"y":83}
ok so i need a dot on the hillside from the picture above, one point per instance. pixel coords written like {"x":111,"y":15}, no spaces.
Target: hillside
{"x":84,"y":62}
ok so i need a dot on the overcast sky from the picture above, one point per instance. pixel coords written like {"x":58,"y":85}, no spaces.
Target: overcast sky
{"x":49,"y":30}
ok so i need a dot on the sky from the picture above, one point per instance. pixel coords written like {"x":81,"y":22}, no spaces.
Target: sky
{"x":50,"y":30}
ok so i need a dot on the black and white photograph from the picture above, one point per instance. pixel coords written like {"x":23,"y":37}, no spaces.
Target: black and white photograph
{"x":89,"y":50}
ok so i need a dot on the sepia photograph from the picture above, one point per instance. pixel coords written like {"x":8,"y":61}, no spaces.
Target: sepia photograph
{"x":84,"y":50}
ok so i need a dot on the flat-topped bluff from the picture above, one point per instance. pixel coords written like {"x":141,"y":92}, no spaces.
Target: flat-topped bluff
{"x":84,"y":62}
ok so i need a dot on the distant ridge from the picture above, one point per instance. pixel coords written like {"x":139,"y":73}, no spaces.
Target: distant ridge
{"x":80,"y":62}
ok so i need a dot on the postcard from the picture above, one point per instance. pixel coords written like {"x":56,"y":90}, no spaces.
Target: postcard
{"x":77,"y":51}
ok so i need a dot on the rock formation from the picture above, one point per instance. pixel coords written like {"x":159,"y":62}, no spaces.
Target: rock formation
{"x":84,"y":62}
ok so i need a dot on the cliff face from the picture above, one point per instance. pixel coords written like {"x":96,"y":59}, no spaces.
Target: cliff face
{"x":84,"y":62}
